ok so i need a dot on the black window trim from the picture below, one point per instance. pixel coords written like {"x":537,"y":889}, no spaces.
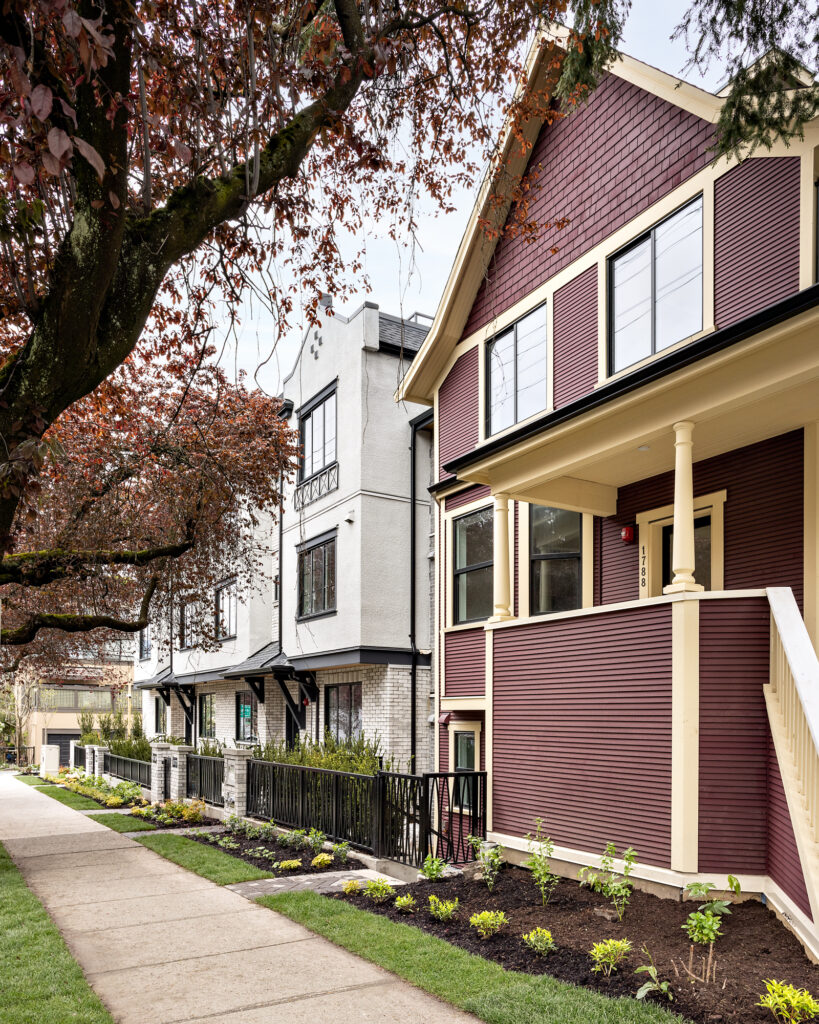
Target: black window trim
{"x":228,"y":582}
{"x":302,"y":549}
{"x":338,"y":686}
{"x":488,"y":375}
{"x":552,"y":555}
{"x":469,"y":568}
{"x":199,"y":734}
{"x":254,"y":736}
{"x":308,"y":409}
{"x":146,"y":632}
{"x":185,"y":641}
{"x":610,"y":260}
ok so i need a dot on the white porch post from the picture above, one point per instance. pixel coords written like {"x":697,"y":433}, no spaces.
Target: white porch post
{"x":682,"y":554}
{"x":501,"y":573}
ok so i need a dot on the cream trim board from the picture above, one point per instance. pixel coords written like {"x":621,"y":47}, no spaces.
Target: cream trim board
{"x":807,"y":219}
{"x":649,"y":542}
{"x":450,"y":516}
{"x":587,"y":561}
{"x":811,"y":531}
{"x":523,"y":568}
{"x":463,"y":704}
{"x":474,"y":727}
{"x":489,"y":722}
{"x":685,"y":735}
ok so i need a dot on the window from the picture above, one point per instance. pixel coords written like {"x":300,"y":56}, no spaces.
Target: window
{"x":472,"y":566}
{"x":247,"y":717}
{"x":160,"y":715}
{"x":702,"y":552}
{"x":317,"y":578}
{"x":464,"y":756}
{"x":187,"y":624}
{"x":655,"y":288}
{"x":207,"y":716}
{"x":342,"y":711}
{"x":318,"y":435}
{"x":225,"y":610}
{"x":145,"y":643}
{"x":516,"y":372}
{"x":554,"y":559}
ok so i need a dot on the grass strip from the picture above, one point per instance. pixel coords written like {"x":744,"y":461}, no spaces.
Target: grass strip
{"x":31,"y":780}
{"x":73,"y":800}
{"x":123,"y":822}
{"x":207,"y":861}
{"x":470,"y":982}
{"x":41,"y":982}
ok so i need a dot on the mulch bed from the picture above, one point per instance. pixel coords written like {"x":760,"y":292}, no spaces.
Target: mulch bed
{"x":754,"y":946}
{"x":204,"y":823}
{"x":281,"y":853}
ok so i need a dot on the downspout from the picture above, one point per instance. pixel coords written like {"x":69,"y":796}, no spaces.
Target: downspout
{"x":419,"y":423}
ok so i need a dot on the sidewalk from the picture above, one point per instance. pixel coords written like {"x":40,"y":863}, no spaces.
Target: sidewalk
{"x":163,"y":946}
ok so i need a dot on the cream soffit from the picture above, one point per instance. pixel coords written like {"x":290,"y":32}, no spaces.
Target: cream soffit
{"x":476,"y":248}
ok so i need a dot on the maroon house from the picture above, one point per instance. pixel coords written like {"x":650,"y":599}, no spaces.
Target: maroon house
{"x":628,"y":500}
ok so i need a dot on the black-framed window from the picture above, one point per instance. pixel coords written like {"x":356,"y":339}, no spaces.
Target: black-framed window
{"x":516,"y":372}
{"x":342,"y":710}
{"x":187,"y":624}
{"x":207,"y":715}
{"x":145,"y":643}
{"x":247,"y":716}
{"x":472,"y":564}
{"x":465,"y":760}
{"x":317,"y":578}
{"x":555,"y":560}
{"x":160,"y":715}
{"x":655,"y":288}
{"x":317,"y":427}
{"x":702,"y":552}
{"x":224,"y":610}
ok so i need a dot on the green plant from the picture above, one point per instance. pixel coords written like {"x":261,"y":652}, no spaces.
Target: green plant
{"x":342,"y":851}
{"x":609,"y":954}
{"x":315,"y":840}
{"x":322,"y":860}
{"x":433,"y":868}
{"x":702,"y":927}
{"x":226,"y":843}
{"x":139,"y":748}
{"x":405,"y":904}
{"x":540,"y":941}
{"x":541,"y":849}
{"x":788,"y":1003}
{"x":290,"y":865}
{"x":653,"y":984}
{"x":351,"y":887}
{"x":360,"y":756}
{"x":87,"y":726}
{"x":490,"y":859}
{"x":488,"y":922}
{"x":210,"y":748}
{"x":615,"y":886}
{"x":443,"y":910}
{"x":702,"y":889}
{"x":295,"y":840}
{"x":379,"y":890}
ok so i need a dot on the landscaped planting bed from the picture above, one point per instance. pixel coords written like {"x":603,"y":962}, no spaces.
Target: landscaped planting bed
{"x":174,"y":815}
{"x":753,"y":947}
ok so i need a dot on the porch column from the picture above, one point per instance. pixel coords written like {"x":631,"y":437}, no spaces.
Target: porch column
{"x":682,"y":553}
{"x":501,"y":574}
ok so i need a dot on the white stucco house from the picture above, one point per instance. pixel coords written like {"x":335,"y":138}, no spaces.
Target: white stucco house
{"x":336,"y":636}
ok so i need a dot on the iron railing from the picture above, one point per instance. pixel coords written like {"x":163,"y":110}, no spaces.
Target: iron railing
{"x":127,"y":768}
{"x":317,"y":486}
{"x":79,"y":756}
{"x":205,"y":778}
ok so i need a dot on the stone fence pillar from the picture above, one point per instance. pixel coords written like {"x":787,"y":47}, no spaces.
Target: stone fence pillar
{"x":235,"y":785}
{"x":71,"y":745}
{"x":98,"y":759}
{"x":179,"y":772}
{"x":159,"y":751}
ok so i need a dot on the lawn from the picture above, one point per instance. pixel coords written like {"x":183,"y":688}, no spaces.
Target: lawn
{"x":74,"y":800}
{"x":31,"y":780}
{"x":123,"y":822}
{"x":476,"y":985}
{"x":41,"y":982}
{"x":210,"y":863}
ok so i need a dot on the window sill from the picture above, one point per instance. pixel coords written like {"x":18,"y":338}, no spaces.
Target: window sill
{"x":317,"y":615}
{"x":627,"y":370}
{"x":225,"y":639}
{"x":486,"y":436}
{"x":472,"y":624}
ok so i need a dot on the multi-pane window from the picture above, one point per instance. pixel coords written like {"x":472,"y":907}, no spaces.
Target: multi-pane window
{"x":516,"y":372}
{"x":160,"y":715}
{"x":247,"y":716}
{"x":318,"y":436}
{"x":207,"y":716}
{"x":225,"y":610}
{"x":472,"y":566}
{"x":145,"y":643}
{"x":187,"y":624}
{"x":342,"y":711}
{"x":317,"y":578}
{"x":656,"y":288}
{"x":555,"y":559}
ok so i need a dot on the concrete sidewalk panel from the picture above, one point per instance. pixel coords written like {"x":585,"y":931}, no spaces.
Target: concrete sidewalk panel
{"x":203,"y":902}
{"x":66,"y":845}
{"x":84,"y":893}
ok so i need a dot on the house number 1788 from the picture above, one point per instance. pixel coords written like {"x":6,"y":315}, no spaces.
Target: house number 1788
{"x":643,"y":567}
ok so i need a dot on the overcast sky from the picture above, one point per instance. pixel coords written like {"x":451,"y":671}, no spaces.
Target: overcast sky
{"x":403,"y":286}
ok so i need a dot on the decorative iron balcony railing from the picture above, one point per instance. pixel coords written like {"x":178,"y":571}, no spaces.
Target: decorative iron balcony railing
{"x":317,"y":486}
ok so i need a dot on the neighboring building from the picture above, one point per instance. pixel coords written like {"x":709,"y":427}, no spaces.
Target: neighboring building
{"x":341,"y":597}
{"x":611,"y":651}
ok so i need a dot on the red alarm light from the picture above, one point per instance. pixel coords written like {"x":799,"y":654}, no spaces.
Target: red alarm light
{"x":627,"y":534}
{"x":306,"y":702}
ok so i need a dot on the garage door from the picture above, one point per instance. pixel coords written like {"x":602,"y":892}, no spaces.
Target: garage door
{"x":62,"y":740}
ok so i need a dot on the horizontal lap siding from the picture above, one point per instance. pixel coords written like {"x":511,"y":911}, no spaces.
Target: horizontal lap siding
{"x":756,"y":237}
{"x":599,"y":168}
{"x":465,"y":497}
{"x":575,"y":338}
{"x":458,"y":410}
{"x":734,"y":666}
{"x":784,"y":865}
{"x":582,"y":731}
{"x":465,"y":663}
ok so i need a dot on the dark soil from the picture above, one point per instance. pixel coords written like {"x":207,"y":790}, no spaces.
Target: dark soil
{"x":754,"y":945}
{"x":205,"y":822}
{"x":281,"y":852}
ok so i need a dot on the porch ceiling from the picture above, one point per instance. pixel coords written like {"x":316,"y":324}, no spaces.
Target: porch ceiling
{"x":761,"y":387}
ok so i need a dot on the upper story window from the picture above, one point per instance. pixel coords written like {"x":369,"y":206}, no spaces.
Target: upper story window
{"x":225,"y":610}
{"x":317,"y":577}
{"x":516,"y":372}
{"x":187,"y":624}
{"x":145,"y":643}
{"x":655,"y":288}
{"x":554,"y":560}
{"x":317,"y":426}
{"x":472,"y":566}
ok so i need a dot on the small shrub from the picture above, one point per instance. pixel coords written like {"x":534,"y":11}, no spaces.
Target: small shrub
{"x":433,"y":868}
{"x":321,"y":860}
{"x":379,"y":890}
{"x":295,"y":840}
{"x":609,"y":954}
{"x":443,"y":910}
{"x":405,"y":904}
{"x":542,"y":850}
{"x":540,"y":941}
{"x":228,"y":844}
{"x":290,"y":865}
{"x":788,"y":1003}
{"x":342,"y":851}
{"x":315,"y":840}
{"x":194,"y":812}
{"x":702,"y":927}
{"x":351,"y":887}
{"x":488,"y":922}
{"x":653,"y":984}
{"x":614,"y":886}
{"x":490,"y":859}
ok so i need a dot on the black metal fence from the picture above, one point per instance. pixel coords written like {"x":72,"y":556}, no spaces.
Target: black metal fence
{"x":79,"y":756}
{"x":127,"y":768}
{"x":21,"y":756}
{"x":205,"y":778}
